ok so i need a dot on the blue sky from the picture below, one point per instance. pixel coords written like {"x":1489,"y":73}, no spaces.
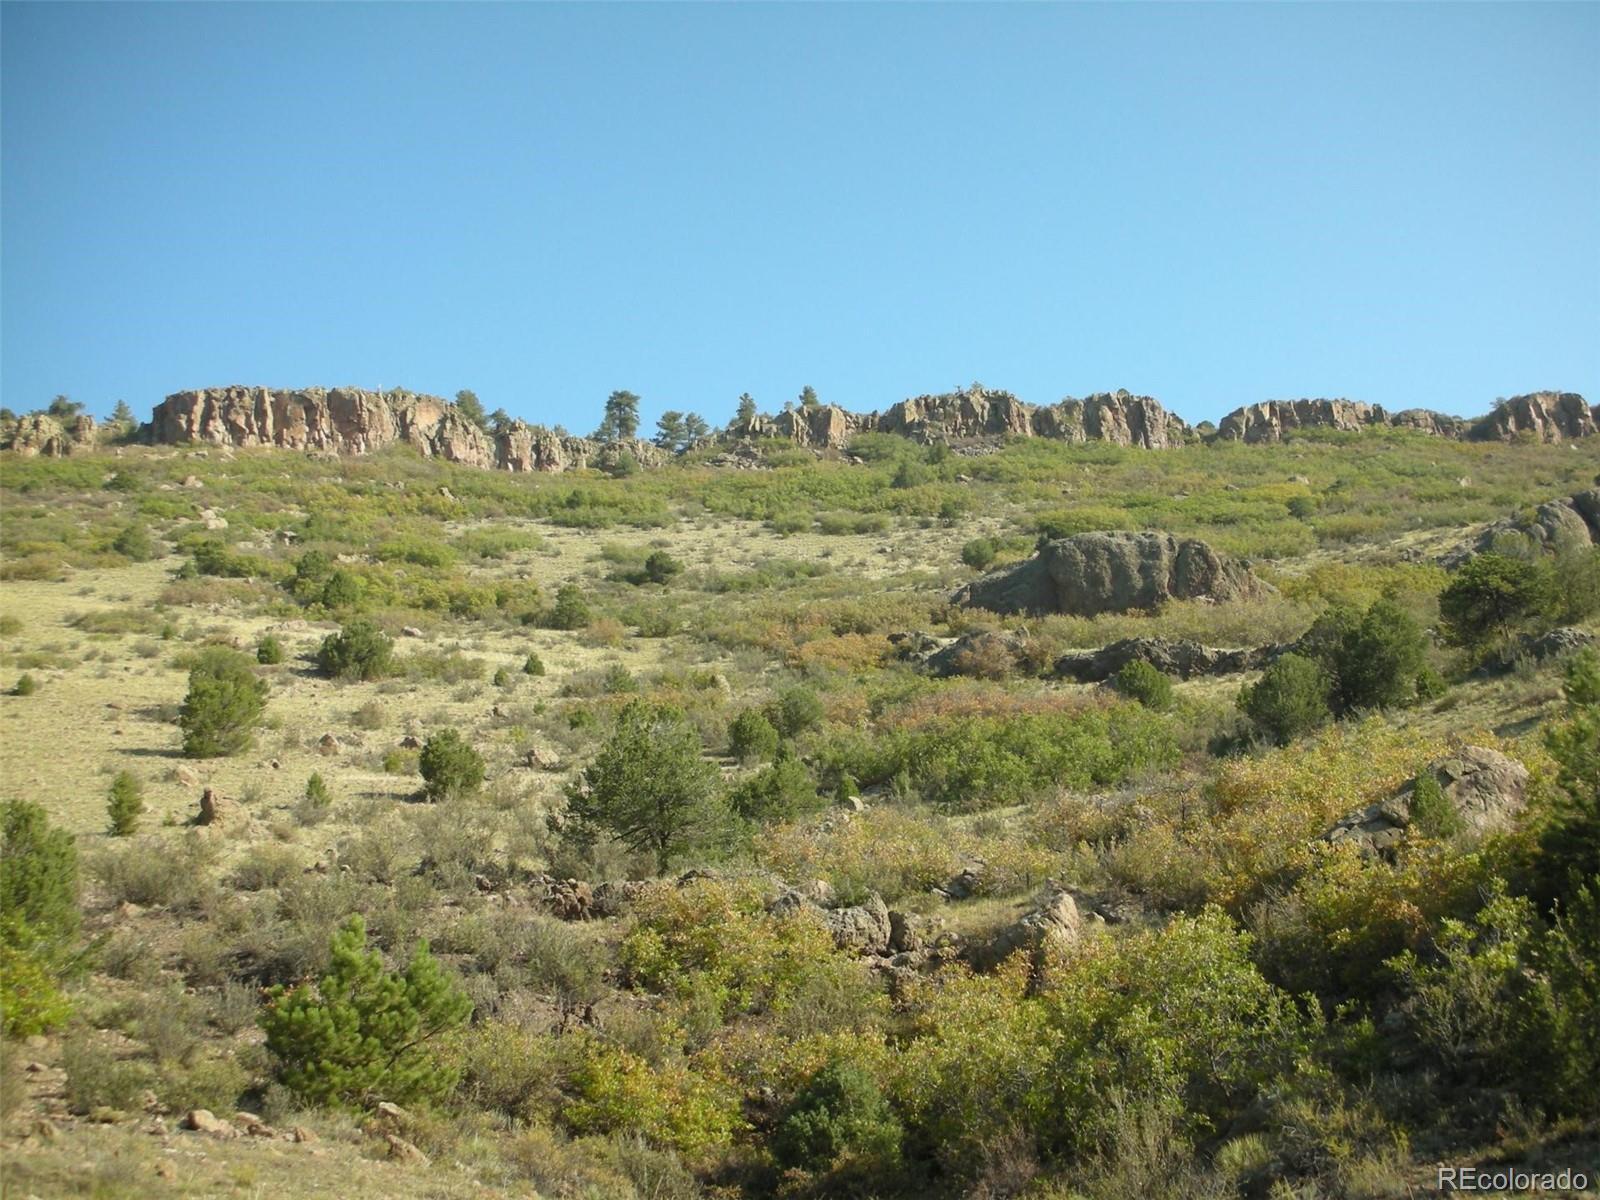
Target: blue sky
{"x":1211,"y":204}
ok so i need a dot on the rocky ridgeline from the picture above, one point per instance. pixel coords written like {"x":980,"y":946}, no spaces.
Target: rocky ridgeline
{"x":354,"y":421}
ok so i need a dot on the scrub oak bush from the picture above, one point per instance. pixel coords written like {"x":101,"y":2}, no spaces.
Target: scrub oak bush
{"x":269,"y":651}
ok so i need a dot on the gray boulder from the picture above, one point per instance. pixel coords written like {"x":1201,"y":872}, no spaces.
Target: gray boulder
{"x":1053,"y":921}
{"x":864,"y":928}
{"x":1092,"y":573}
{"x":1486,"y":788}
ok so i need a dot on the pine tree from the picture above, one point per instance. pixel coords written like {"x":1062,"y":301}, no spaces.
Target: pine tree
{"x":808,"y":397}
{"x":621,"y":420}
{"x":746,"y":411}
{"x":694,"y":428}
{"x":122,"y":414}
{"x":470,"y":407}
{"x":669,"y":430}
{"x":361,"y":1033}
{"x":224,"y":703}
{"x":125,"y":804}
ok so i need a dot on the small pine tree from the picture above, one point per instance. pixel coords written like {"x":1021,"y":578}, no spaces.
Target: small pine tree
{"x":362,"y":1033}
{"x":25,"y":685}
{"x":1290,"y":699}
{"x":796,"y":710}
{"x":125,"y":804}
{"x":840,"y":1115}
{"x":1140,"y":681}
{"x":660,"y":567}
{"x":1431,"y":810}
{"x":317,"y":793}
{"x":533,"y":664}
{"x":751,"y":737}
{"x":134,"y":543}
{"x":360,"y":650}
{"x":470,"y":407}
{"x":746,"y":411}
{"x":571,"y":610}
{"x":342,"y":590}
{"x":224,"y":703}
{"x":449,"y":766}
{"x":502,"y":677}
{"x":808,"y":397}
{"x":269,"y":651}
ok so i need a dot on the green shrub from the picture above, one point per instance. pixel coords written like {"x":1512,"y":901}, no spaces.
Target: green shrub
{"x":342,"y":590}
{"x":751,"y":737}
{"x":841,"y":1114}
{"x":533,"y":664}
{"x":571,"y":609}
{"x":38,"y":918}
{"x":980,"y":553}
{"x":269,"y":651}
{"x":1140,"y":681}
{"x":1374,"y":659}
{"x":660,"y":567}
{"x":25,"y":685}
{"x":501,"y":677}
{"x":362,"y":1034}
{"x":223,"y":705}
{"x":134,"y":543}
{"x":1569,"y":848}
{"x":1431,"y":810}
{"x":125,"y":804}
{"x":1491,"y":596}
{"x":449,"y":766}
{"x":780,"y":792}
{"x":796,"y":710}
{"x":1290,"y":699}
{"x":317,"y":794}
{"x":648,"y":786}
{"x":360,"y":650}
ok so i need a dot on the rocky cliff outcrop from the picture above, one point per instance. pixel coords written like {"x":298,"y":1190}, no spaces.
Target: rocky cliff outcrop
{"x":1544,"y":416}
{"x":39,"y":434}
{"x":1091,"y":573}
{"x":353,"y":421}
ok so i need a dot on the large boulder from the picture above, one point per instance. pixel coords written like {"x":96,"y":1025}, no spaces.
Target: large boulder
{"x":1091,"y":573}
{"x":41,"y":435}
{"x":1486,"y":789}
{"x":1555,"y":524}
{"x":863,"y":928}
{"x":1052,"y":921}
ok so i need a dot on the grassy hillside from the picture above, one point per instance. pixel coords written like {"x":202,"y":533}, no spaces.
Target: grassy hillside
{"x":733,"y":907}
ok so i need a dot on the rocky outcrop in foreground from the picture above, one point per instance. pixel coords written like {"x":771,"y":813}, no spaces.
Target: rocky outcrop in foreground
{"x":1484,"y":788}
{"x":1092,"y":573}
{"x":353,"y":421}
{"x":1569,"y":521}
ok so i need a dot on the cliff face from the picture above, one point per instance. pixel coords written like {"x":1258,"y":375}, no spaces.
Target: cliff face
{"x":1117,"y":417}
{"x":352,"y":421}
{"x":1547,"y":416}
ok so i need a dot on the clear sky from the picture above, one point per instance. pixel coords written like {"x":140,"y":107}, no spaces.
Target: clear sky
{"x":1213,"y":205}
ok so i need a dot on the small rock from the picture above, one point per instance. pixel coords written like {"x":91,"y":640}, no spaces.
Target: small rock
{"x":45,"y":1130}
{"x":202,"y":1120}
{"x":187,"y":776}
{"x":166,"y":1170}
{"x":301,"y":1135}
{"x":411,"y":742}
{"x":33,"y":1068}
{"x":410,"y":631}
{"x":328,"y":744}
{"x":393,"y":1111}
{"x":401,"y":1150}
